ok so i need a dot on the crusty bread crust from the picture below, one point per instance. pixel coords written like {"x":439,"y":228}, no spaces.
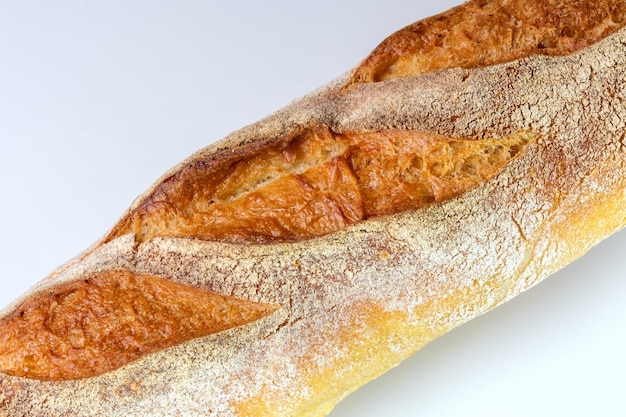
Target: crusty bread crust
{"x":489,"y":32}
{"x":374,"y":292}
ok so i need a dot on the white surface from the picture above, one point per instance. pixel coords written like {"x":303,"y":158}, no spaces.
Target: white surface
{"x":98,"y":99}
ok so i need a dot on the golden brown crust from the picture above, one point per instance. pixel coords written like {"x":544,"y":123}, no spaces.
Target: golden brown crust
{"x":316,"y":182}
{"x":487,"y":32}
{"x":89,"y":327}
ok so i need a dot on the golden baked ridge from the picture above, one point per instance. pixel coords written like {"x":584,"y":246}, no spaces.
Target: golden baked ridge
{"x":487,"y":32}
{"x":89,"y":327}
{"x":316,"y":182}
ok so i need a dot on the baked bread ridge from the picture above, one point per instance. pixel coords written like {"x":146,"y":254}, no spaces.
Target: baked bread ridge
{"x":379,"y":243}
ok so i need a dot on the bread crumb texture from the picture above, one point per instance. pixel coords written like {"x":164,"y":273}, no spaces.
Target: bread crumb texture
{"x":487,"y":32}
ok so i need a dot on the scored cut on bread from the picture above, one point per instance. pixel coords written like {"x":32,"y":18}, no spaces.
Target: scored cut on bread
{"x":379,"y":238}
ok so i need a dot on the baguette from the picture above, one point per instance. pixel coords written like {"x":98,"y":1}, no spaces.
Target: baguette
{"x":377,"y":220}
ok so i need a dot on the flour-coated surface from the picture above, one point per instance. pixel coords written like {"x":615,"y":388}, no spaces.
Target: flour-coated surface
{"x":124,"y":104}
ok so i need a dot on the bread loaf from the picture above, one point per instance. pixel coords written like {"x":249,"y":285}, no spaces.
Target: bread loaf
{"x":351,"y":227}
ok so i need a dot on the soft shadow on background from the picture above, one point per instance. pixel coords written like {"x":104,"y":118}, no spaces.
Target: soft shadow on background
{"x":99,"y":99}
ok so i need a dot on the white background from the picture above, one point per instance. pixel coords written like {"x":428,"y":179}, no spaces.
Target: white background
{"x":98,"y":99}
